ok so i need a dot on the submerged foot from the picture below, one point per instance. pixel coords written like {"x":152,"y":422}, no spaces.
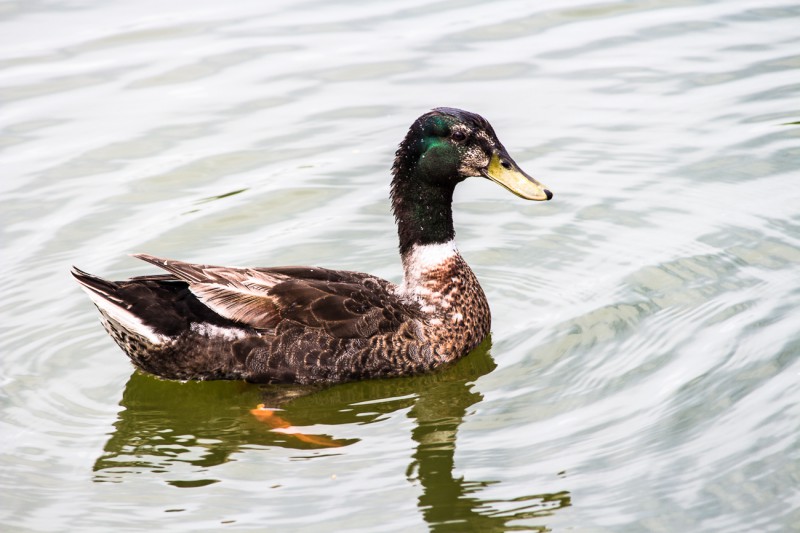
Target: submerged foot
{"x":276,"y":422}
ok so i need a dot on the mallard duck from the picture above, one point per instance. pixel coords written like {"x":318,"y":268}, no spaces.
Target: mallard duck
{"x":311,"y":325}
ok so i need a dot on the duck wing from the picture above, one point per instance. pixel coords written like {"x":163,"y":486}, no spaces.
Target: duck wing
{"x":343,"y":304}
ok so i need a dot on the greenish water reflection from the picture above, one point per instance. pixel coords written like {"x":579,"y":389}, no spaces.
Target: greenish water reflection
{"x":165,"y":423}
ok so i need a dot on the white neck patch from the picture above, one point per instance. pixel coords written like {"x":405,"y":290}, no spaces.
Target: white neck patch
{"x":424,"y":257}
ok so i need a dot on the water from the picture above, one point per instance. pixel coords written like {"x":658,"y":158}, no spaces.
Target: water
{"x":643,"y":372}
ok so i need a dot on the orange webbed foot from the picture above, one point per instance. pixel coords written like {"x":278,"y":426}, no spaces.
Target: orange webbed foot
{"x":277,"y":423}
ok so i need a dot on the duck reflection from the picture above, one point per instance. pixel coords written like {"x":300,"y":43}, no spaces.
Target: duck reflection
{"x":164,"y":423}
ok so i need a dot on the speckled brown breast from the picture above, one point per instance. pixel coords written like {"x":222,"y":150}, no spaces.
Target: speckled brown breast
{"x":458,"y":313}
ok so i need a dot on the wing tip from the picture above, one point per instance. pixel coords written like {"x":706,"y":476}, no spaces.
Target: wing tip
{"x":150,"y":258}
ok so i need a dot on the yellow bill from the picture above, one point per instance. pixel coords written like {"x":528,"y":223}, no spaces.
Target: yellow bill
{"x":503,"y":170}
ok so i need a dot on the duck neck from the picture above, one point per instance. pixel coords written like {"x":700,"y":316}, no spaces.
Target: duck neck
{"x":423,"y":211}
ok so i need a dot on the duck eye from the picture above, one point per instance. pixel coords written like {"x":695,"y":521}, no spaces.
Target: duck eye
{"x":459,"y":136}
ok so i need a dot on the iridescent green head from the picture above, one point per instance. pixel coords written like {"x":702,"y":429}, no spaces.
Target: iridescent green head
{"x":441,"y":149}
{"x":449,"y":145}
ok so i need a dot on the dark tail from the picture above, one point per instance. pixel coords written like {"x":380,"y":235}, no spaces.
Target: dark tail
{"x":99,"y":286}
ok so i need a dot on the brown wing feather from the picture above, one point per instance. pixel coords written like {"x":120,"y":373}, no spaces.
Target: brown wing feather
{"x":343,"y":304}
{"x":240,"y":294}
{"x":358,"y":306}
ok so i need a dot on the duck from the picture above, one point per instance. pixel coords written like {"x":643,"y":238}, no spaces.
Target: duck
{"x":315,"y":326}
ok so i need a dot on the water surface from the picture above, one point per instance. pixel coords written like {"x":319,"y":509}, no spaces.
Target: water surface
{"x":643,"y":372}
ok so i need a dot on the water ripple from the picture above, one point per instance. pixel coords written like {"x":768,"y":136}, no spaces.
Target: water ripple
{"x":642,"y":371}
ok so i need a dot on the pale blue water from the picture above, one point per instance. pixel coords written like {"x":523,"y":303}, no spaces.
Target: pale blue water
{"x":644,"y":367}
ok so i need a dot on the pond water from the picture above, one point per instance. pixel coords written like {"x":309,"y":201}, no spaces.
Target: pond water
{"x":643,"y":372}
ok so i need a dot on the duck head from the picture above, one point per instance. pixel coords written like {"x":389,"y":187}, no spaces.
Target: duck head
{"x":447,"y":145}
{"x":443,"y":148}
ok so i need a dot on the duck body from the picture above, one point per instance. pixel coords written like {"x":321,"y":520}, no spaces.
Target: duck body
{"x":311,"y":325}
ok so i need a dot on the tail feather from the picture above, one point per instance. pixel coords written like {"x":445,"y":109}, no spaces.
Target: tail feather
{"x":106,"y":296}
{"x":96,"y":286}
